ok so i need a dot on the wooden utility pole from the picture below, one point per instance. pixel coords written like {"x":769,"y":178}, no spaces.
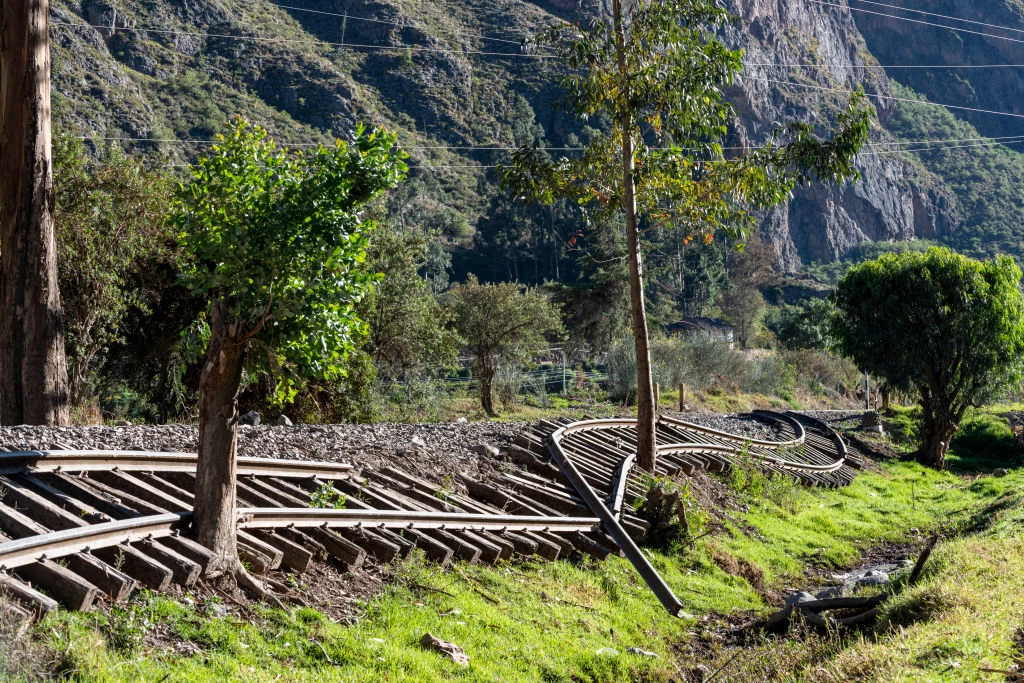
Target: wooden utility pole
{"x":33,"y":368}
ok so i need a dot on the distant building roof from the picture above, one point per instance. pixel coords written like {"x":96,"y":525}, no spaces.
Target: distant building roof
{"x":700,"y":324}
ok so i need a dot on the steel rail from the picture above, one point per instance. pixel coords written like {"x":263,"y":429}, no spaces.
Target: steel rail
{"x":307,"y":518}
{"x":56,"y":544}
{"x":619,"y":491}
{"x":609,"y":522}
{"x":837,"y":440}
{"x":735,"y":438}
{"x":669,"y":449}
{"x":145,"y":461}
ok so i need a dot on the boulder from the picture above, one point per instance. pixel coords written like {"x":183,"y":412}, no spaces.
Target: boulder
{"x":873,"y":578}
{"x":798,"y":598}
{"x":283,"y":421}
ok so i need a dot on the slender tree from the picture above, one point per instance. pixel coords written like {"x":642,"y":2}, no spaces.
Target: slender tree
{"x":501,"y":321}
{"x":276,"y":241}
{"x":655,"y":71}
{"x":33,"y":368}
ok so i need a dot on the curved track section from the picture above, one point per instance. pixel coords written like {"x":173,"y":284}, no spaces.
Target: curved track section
{"x":597,"y":458}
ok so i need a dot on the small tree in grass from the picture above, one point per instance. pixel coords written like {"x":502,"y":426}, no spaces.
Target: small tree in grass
{"x":939,"y":324}
{"x":501,"y":320}
{"x":652,"y":77}
{"x":276,"y":240}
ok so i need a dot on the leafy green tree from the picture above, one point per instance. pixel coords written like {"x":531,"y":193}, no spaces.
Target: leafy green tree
{"x":112,"y":229}
{"x":807,"y":326}
{"x":655,"y":71}
{"x":503,"y":321}
{"x":940,"y":324}
{"x":409,"y":334}
{"x":276,"y":240}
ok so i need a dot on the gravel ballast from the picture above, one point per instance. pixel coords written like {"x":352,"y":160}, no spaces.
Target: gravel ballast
{"x":436,"y":451}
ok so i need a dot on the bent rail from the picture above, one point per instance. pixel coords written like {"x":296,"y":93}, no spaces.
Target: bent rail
{"x":734,"y":438}
{"x":726,"y":446}
{"x":610,"y":522}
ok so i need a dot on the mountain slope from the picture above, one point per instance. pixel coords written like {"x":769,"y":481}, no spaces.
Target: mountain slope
{"x":309,"y":69}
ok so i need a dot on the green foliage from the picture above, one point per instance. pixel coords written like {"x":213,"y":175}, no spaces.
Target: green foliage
{"x":276,"y":240}
{"x":807,"y":326}
{"x":503,"y":321}
{"x":657,"y":79}
{"x":112,"y":234}
{"x":409,"y":334}
{"x":942,"y":325}
{"x":326,"y":496}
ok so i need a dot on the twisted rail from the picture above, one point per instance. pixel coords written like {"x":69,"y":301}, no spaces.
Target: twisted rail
{"x":708,"y":441}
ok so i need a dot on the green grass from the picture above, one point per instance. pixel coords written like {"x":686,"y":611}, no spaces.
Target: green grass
{"x":539,"y":621}
{"x":983,"y":442}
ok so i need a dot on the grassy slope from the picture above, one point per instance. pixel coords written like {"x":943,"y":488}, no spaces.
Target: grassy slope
{"x":547,"y":621}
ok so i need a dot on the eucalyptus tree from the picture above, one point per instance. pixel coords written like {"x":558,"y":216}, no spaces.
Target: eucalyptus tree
{"x":655,"y":72}
{"x":33,"y":366}
{"x":940,"y":324}
{"x":275,"y":242}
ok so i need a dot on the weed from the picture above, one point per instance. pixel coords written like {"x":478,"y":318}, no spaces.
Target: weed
{"x":326,"y":496}
{"x":125,"y":630}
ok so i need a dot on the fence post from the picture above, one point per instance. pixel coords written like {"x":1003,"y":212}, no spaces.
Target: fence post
{"x":657,"y":395}
{"x":682,"y":397}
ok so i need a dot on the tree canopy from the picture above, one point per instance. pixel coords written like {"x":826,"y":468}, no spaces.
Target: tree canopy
{"x":940,"y":324}
{"x":112,"y":228}
{"x":276,"y":240}
{"x":503,"y":321}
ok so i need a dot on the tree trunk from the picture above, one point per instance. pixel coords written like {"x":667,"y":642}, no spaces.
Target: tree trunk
{"x":486,"y":372}
{"x":937,"y":430}
{"x":645,"y":418}
{"x":218,"y":440}
{"x":33,"y":368}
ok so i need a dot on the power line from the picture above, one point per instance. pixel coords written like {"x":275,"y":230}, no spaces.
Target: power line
{"x":921,"y":21}
{"x":883,"y":67}
{"x":891,"y":98}
{"x":349,"y":17}
{"x":884,"y":145}
{"x":264,"y":39}
{"x":940,"y":149}
{"x":940,"y":16}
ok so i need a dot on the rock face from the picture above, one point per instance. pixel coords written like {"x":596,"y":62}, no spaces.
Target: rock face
{"x":923,"y":42}
{"x":893,"y":200}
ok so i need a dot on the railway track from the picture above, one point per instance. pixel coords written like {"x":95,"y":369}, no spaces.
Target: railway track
{"x":79,"y":526}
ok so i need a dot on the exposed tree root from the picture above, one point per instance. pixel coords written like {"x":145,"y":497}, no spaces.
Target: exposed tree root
{"x":228,"y":578}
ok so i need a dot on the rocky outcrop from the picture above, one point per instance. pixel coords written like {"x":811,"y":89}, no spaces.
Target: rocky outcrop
{"x":797,"y":55}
